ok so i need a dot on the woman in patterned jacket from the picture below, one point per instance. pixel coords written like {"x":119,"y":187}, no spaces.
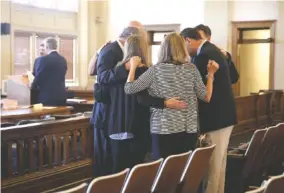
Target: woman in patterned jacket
{"x":173,"y":131}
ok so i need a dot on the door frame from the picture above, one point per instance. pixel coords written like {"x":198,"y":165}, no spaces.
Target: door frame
{"x":237,"y":26}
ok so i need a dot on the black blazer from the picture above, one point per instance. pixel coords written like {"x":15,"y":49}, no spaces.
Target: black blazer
{"x":109,"y":117}
{"x":50,"y":80}
{"x":221,"y":111}
{"x":233,"y":71}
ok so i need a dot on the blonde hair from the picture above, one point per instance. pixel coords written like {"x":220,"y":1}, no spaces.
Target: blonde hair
{"x":136,"y":46}
{"x":173,"y":50}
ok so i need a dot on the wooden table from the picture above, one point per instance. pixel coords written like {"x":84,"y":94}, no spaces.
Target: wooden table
{"x":30,"y":113}
{"x":82,"y":107}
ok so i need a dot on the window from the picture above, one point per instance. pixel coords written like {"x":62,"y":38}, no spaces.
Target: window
{"x":22,"y":57}
{"x":26,"y":50}
{"x":155,"y":39}
{"x":39,"y":40}
{"x":63,"y":5}
{"x":154,"y":53}
{"x":66,"y":49}
{"x":255,"y":34}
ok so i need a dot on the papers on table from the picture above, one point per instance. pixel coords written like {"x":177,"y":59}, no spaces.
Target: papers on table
{"x":76,"y":101}
{"x":30,"y":77}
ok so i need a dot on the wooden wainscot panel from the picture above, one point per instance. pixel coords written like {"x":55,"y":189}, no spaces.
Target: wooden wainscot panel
{"x":43,"y":156}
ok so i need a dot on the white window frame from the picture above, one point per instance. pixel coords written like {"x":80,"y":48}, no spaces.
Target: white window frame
{"x":34,"y":49}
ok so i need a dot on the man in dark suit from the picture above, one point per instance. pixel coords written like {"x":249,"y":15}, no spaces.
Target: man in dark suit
{"x":50,"y":76}
{"x":205,"y":33}
{"x":35,"y":92}
{"x":217,"y":118}
{"x":107,"y":116}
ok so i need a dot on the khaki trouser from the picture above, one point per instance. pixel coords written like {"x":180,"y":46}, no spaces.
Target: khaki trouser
{"x":217,"y":166}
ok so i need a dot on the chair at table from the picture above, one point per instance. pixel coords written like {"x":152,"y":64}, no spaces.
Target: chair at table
{"x":195,"y":169}
{"x":108,"y":184}
{"x":170,"y":173}
{"x":78,"y":189}
{"x":141,"y":177}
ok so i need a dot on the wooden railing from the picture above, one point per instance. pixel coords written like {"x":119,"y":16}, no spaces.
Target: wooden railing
{"x":38,"y":157}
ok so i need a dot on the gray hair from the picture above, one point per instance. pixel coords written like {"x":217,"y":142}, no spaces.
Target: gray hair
{"x":128,"y":31}
{"x":51,"y":43}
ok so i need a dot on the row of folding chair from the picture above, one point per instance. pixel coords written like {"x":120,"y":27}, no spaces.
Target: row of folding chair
{"x":252,"y":165}
{"x":273,"y":185}
{"x":177,"y":173}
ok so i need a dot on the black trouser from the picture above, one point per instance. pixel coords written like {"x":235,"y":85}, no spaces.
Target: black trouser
{"x":164,"y":145}
{"x":102,"y":153}
{"x":128,"y":153}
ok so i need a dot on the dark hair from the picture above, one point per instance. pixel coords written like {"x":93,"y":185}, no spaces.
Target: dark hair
{"x":128,"y":31}
{"x":206,"y":29}
{"x":191,"y":33}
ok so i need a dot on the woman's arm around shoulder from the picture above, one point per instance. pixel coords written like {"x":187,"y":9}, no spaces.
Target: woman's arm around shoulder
{"x":143,"y":82}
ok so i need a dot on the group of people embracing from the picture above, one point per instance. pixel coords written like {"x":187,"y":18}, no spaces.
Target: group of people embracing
{"x":162,"y":108}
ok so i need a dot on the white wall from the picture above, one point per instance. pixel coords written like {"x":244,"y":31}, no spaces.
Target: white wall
{"x":219,"y":15}
{"x":185,"y":12}
{"x":254,"y":10}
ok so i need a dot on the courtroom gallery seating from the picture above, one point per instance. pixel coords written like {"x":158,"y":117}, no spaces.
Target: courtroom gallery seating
{"x":169,"y":175}
{"x":153,"y":176}
{"x":112,"y":183}
{"x":263,"y":157}
{"x":141,"y":177}
{"x":79,"y":189}
{"x":274,"y":185}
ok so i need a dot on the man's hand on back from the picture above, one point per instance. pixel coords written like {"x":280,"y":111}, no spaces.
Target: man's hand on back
{"x":224,"y":52}
{"x":175,"y":103}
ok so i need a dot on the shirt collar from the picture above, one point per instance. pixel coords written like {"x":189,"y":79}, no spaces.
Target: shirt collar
{"x":52,"y":51}
{"x":200,"y":46}
{"x":120,"y":45}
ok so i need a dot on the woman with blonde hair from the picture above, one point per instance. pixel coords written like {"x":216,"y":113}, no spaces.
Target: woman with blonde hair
{"x":173,"y":131}
{"x":130,"y":118}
